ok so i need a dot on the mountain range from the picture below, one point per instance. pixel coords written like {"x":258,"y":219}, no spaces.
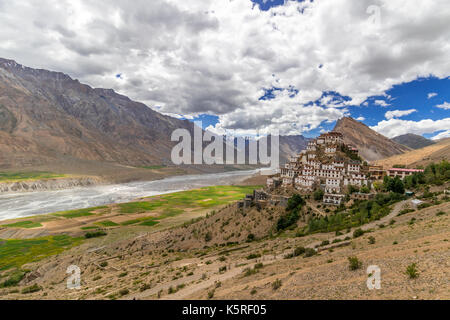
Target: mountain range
{"x":48,"y":117}
{"x":413,"y":141}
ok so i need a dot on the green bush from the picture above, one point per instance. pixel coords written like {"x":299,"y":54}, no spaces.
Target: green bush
{"x":299,"y":251}
{"x":354,"y":263}
{"x":309,"y":252}
{"x":95,"y":234}
{"x":253,"y":256}
{"x":372,"y":240}
{"x":358,"y":233}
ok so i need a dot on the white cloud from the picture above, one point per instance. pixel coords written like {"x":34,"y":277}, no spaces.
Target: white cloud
{"x":216,"y":56}
{"x":361,"y":119}
{"x":442,"y":135}
{"x":432,"y":95}
{"x":396,"y":127}
{"x":398,"y":113}
{"x":445,"y":106}
{"x":381,"y":103}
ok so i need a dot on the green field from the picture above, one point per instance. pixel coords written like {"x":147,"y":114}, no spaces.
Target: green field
{"x":16,"y":253}
{"x":26,"y":176}
{"x":79,"y":213}
{"x":154,"y":167}
{"x":23,"y":224}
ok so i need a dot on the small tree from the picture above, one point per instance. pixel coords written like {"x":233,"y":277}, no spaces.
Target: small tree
{"x":318,"y":194}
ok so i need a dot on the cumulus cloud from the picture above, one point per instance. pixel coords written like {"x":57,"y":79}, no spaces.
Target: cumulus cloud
{"x":381,"y":103}
{"x":361,"y":118}
{"x":396,"y":127}
{"x":432,"y":95}
{"x":445,"y":106}
{"x":215,"y":56}
{"x":398,"y":113}
{"x":442,"y":135}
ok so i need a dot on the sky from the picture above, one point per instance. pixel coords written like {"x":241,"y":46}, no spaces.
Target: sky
{"x":247,"y":66}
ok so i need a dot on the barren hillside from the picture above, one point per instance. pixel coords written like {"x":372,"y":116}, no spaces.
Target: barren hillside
{"x":434,"y":153}
{"x":371,"y":144}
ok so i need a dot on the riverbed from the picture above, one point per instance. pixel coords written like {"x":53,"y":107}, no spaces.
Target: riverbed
{"x":18,"y":205}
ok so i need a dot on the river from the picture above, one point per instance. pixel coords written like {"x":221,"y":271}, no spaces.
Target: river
{"x":26,"y":204}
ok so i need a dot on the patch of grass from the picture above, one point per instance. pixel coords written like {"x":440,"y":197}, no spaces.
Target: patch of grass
{"x":23,"y":225}
{"x":411,"y":271}
{"x":79,"y":213}
{"x":107,"y":223}
{"x":137,"y":207}
{"x":154,"y":167}
{"x":89,"y":228}
{"x":24,"y":176}
{"x":31,"y":289}
{"x":13,"y":279}
{"x":15,"y":253}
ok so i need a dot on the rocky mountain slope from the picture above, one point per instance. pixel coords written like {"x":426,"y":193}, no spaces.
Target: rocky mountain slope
{"x":371,"y":144}
{"x":413,"y":141}
{"x":291,"y":145}
{"x":48,"y":116}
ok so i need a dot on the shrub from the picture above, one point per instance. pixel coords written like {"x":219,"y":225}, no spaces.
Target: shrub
{"x":354,"y":263}
{"x":253,"y":292}
{"x":371,"y":240}
{"x":104,"y":264}
{"x":358,"y":233}
{"x":222,"y":269}
{"x":253,"y":256}
{"x":124,"y":292}
{"x":95,"y":234}
{"x":250,"y":237}
{"x":299,"y":251}
{"x":412,"y":271}
{"x":309,"y":252}
{"x":123,"y":274}
{"x":211,"y":294}
{"x":318,"y":194}
{"x":325,"y":243}
{"x":258,"y":266}
{"x":440,"y":213}
{"x":208,"y":236}
{"x":276,"y":284}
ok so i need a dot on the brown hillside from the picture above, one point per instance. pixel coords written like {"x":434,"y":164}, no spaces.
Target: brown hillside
{"x":434,"y":153}
{"x":372,"y":145}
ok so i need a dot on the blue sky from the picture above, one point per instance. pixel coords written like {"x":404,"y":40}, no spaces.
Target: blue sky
{"x":423,"y":94}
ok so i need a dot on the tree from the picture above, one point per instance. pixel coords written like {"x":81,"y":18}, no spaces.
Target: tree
{"x":397,"y":186}
{"x":365,"y":189}
{"x":295,"y":202}
{"x":318,"y":194}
